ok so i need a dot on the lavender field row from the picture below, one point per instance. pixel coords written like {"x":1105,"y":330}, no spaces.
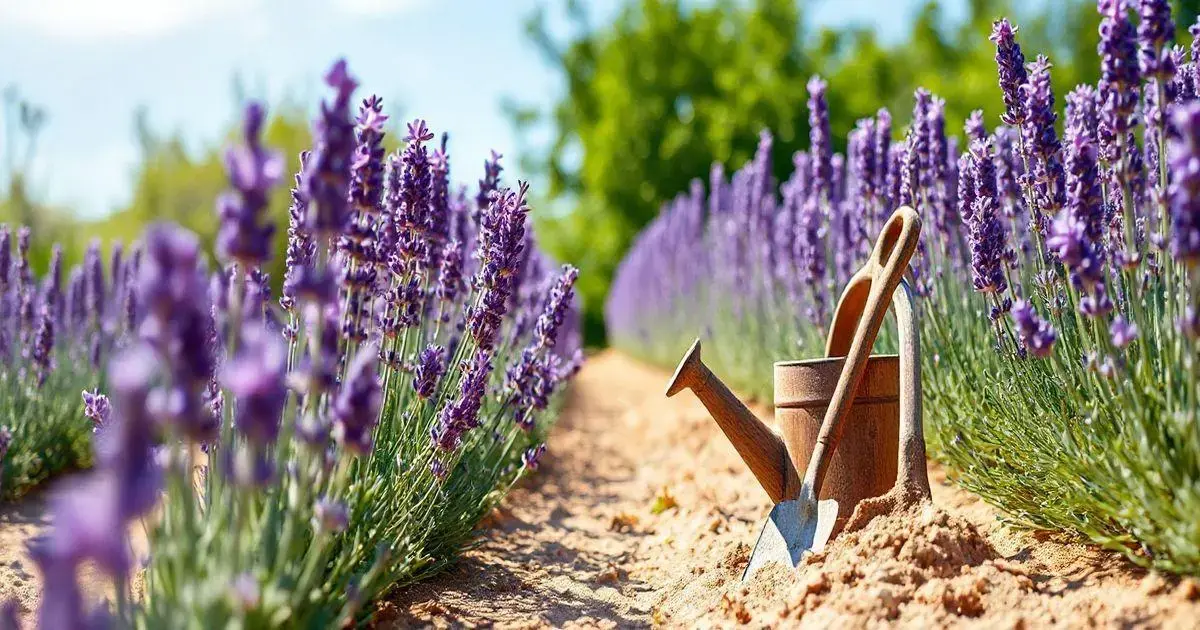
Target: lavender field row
{"x":291,"y":457}
{"x":1058,"y":276}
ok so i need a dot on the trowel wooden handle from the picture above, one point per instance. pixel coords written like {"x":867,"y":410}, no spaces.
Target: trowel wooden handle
{"x":857,"y":320}
{"x":759,"y":446}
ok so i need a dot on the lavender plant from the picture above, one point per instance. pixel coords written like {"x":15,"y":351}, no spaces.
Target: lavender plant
{"x":54,"y":333}
{"x":293,"y":463}
{"x":1060,"y":284}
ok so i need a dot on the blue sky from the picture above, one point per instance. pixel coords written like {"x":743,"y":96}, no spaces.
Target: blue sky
{"x":92,"y":63}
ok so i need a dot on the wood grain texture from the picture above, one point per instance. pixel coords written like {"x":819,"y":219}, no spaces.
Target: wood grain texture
{"x":763,"y":451}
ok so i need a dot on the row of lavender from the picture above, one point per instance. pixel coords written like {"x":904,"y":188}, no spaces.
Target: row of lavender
{"x":293,"y":463}
{"x":53,"y":339}
{"x":1059,"y":278}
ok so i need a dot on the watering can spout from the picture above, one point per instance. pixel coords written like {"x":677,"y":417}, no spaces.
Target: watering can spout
{"x":762,"y":450}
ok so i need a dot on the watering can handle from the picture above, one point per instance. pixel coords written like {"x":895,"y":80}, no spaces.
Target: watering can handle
{"x":856,"y":323}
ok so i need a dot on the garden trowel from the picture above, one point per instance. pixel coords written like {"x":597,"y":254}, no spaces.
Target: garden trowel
{"x":805,"y":524}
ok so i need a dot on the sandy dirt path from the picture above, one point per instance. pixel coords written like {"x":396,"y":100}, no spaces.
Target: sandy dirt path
{"x":643,"y":515}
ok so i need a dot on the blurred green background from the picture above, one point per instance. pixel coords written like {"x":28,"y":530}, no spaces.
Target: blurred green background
{"x":651,"y":98}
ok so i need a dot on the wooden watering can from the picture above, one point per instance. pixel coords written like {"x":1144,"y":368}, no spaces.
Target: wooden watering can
{"x":859,"y":440}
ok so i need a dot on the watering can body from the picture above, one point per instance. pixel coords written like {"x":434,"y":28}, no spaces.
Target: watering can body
{"x":864,"y":463}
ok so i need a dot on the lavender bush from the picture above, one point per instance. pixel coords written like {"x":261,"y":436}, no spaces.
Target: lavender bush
{"x":1059,"y":277}
{"x":54,"y":334}
{"x":293,"y":463}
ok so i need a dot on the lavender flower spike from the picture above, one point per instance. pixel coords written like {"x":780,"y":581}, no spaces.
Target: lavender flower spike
{"x":1123,"y":331}
{"x":1010,"y":63}
{"x":1036,"y":334}
{"x":253,"y":171}
{"x":1119,"y":79}
{"x":356,"y":409}
{"x":532,"y":457}
{"x":987,"y":229}
{"x":501,"y":243}
{"x":1041,"y":142}
{"x":256,"y":379}
{"x":1155,"y":31}
{"x":327,"y":176}
{"x":430,"y":368}
{"x":1184,"y":193}
{"x":820,"y":137}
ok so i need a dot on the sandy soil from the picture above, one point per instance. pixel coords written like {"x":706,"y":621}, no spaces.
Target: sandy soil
{"x":644,"y":515}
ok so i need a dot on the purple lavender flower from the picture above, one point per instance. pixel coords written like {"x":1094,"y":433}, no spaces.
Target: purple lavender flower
{"x":62,"y":601}
{"x":1010,"y":62}
{"x":1194,"y":31}
{"x":532,"y":457}
{"x":974,"y":128}
{"x":450,"y":271}
{"x":97,"y":408}
{"x":1184,"y":192}
{"x":545,"y":332}
{"x":330,"y":516}
{"x":439,"y":200}
{"x":25,"y":291}
{"x":359,"y":245}
{"x":1036,"y":334}
{"x":356,"y":409}
{"x":1154,"y":32}
{"x":94,"y":289}
{"x":462,"y":413}
{"x":43,"y":346}
{"x":966,"y":189}
{"x":438,"y":469}
{"x":1041,"y":142}
{"x":820,"y":137}
{"x":366,"y":183}
{"x":500,"y":249}
{"x":937,"y":170}
{"x":327,"y":174}
{"x":1123,"y":331}
{"x":409,"y":193}
{"x":1119,"y":80}
{"x":176,"y":324}
{"x":1183,"y":86}
{"x":987,"y":230}
{"x":52,"y":297}
{"x":253,"y":171}
{"x":301,"y":249}
{"x":429,"y":370}
{"x":1077,"y":236}
{"x":74,"y":309}
{"x":910,"y":169}
{"x":255,"y":378}
{"x":125,"y":449}
{"x":489,"y":184}
{"x":809,"y":252}
{"x":881,"y":151}
{"x":7,"y":308}
{"x":1097,"y":303}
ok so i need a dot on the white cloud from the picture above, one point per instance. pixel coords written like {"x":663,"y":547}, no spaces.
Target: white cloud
{"x":372,"y":8}
{"x":103,"y":19}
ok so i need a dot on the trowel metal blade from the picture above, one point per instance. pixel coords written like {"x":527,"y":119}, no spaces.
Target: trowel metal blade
{"x":791,"y":529}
